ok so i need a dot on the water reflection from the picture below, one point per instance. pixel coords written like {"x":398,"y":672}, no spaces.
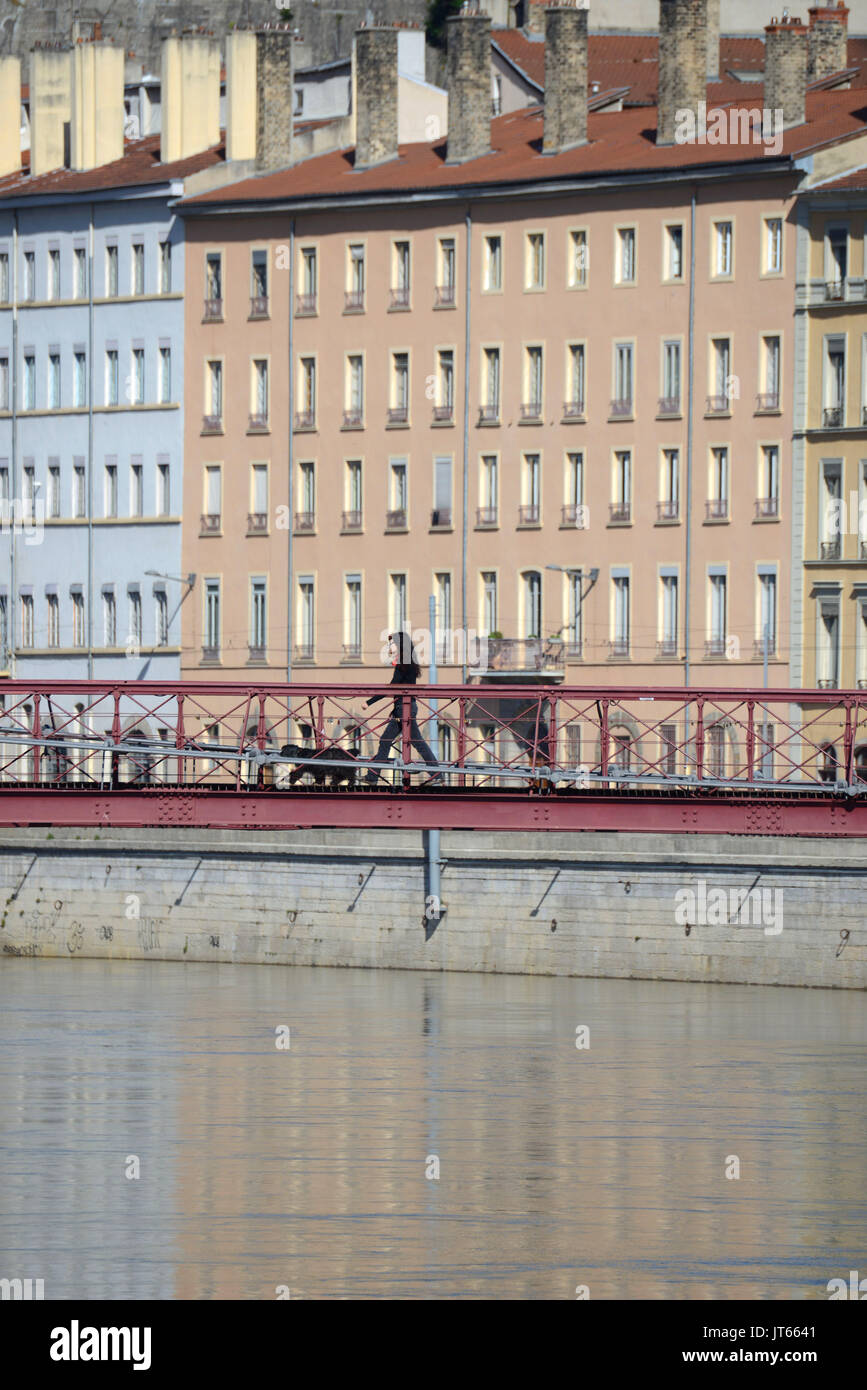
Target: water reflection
{"x":306,"y":1166}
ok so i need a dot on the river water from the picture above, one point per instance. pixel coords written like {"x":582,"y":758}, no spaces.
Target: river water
{"x":312,"y":1167}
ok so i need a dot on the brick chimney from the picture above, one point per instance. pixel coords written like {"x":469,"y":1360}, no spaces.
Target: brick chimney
{"x":827,"y":40}
{"x":96,"y":133}
{"x":683,"y":54}
{"x":274,"y":97}
{"x":786,"y":69}
{"x":565,"y":77}
{"x":468,"y":79}
{"x":189,"y":96}
{"x":10,"y":116}
{"x":375,"y":95}
{"x":50,"y":108}
{"x":713,"y":72}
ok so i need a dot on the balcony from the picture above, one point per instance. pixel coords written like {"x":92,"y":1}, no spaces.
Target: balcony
{"x":305,"y":419}
{"x":531,"y":656}
{"x":212,"y":424}
{"x":669,"y":510}
{"x":718,"y":405}
{"x":256,"y":656}
{"x":304,"y":651}
{"x":759,"y":648}
{"x":717,"y":509}
{"x":832,"y":417}
{"x":835,"y":290}
{"x":353,"y":302}
{"x":768,"y":403}
{"x":258,"y":424}
{"x":444,"y":414}
{"x":531,"y":410}
{"x":827,"y":683}
{"x":257,"y":523}
{"x":258,"y":308}
{"x":441,"y":517}
{"x":398,"y":415}
{"x":573,"y":514}
{"x":619,"y":512}
{"x":305,"y":522}
{"x":573,"y":410}
{"x":830,"y":550}
{"x":618,"y":649}
{"x":213,"y":311}
{"x":715,"y":646}
{"x":489,"y":414}
{"x":351,"y":651}
{"x":210,"y":656}
{"x":767,"y":507}
{"x":210,"y":524}
{"x":396,"y":520}
{"x":399,"y":298}
{"x":666,"y":648}
{"x":353,"y":419}
{"x":668,"y":405}
{"x":620,"y":409}
{"x":444,"y":297}
{"x":305,"y":305}
{"x":352,"y":521}
{"x":486,"y":517}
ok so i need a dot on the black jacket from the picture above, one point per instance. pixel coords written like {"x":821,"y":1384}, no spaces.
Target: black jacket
{"x":403,"y":675}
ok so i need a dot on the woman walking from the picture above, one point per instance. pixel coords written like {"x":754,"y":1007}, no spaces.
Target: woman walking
{"x":406,"y":672}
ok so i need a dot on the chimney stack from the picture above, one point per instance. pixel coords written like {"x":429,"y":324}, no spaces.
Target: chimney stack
{"x":376,"y":128}
{"x":683,"y":54}
{"x":97,"y":105}
{"x":275,"y":99}
{"x":468,"y":79}
{"x":189,"y":96}
{"x":241,"y":94}
{"x":713,"y":22}
{"x":827,"y":40}
{"x":565,"y":77}
{"x":50,"y":108}
{"x":10,"y":116}
{"x":786,"y":70}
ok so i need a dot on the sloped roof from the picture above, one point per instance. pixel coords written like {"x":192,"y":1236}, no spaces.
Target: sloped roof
{"x":139,"y":166}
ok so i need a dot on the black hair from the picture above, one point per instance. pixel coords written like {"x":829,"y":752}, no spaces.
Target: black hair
{"x":405,"y":650}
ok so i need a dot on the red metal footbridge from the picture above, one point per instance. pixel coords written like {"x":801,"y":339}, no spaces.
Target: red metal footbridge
{"x":492,"y":757}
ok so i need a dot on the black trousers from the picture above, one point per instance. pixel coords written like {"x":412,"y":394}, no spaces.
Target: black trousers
{"x":391,"y":732}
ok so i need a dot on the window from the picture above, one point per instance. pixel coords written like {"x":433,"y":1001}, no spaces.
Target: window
{"x":306,"y":417}
{"x":397,"y":608}
{"x":534,"y":269}
{"x":620,"y":634}
{"x":722,"y":380}
{"x":717,"y":584}
{"x":575,"y":614}
{"x":215,"y":390}
{"x":446,"y":287}
{"x":29,"y":286}
{"x":491,"y":407}
{"x":259,"y":495}
{"x":260,"y":405}
{"x":110,"y":489}
{"x":306,"y":518}
{"x":773,"y":257}
{"x":669,"y":403}
{"x":163,"y":489}
{"x":165,"y":375}
{"x":668,"y":614}
{"x":27,"y":638}
{"x":837,"y":257}
{"x":213,"y":497}
{"x":531,"y":407}
{"x":54,"y":489}
{"x":111,"y":278}
{"x":79,"y":378}
{"x":531,"y":604}
{"x":354,"y":411}
{"x":29,"y":382}
{"x":53,"y":273}
{"x":489,"y":602}
{"x":488,"y":484}
{"x":29,"y":482}
{"x":109,"y":619}
{"x":79,"y":272}
{"x":4,"y":383}
{"x":54,"y":381}
{"x":212,"y":617}
{"x":4,"y":481}
{"x":161,"y":617}
{"x":354,"y":494}
{"x":137,"y":382}
{"x":573,"y":506}
{"x":769,"y":398}
{"x":443,"y":591}
{"x":165,"y":267}
{"x":136,"y":488}
{"x":111,"y":377}
{"x":722,"y":249}
{"x":399,"y":409}
{"x":579,"y":259}
{"x":767,"y":633}
{"x":397,"y":492}
{"x":669,"y":505}
{"x":442,"y":512}
{"x":493,"y":264}
{"x":400,"y":289}
{"x":259,"y":281}
{"x":309,"y":286}
{"x":834,"y":414}
{"x":258,"y":618}
{"x":138,"y":267}
{"x":828,"y":644}
{"x":622,"y":402}
{"x":79,"y":480}
{"x":355,"y":272}
{"x":352,"y":618}
{"x":718,"y":502}
{"x":625,"y":273}
{"x":134,"y":630}
{"x":673,"y":243}
{"x":4,"y":277}
{"x":445,"y":405}
{"x":621,"y":507}
{"x":769,"y":481}
{"x":575,"y":384}
{"x":213,"y":283}
{"x":531,"y":470}
{"x":830,"y":518}
{"x":77,"y":619}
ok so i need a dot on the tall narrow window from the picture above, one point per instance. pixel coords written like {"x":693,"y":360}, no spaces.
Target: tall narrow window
{"x":770,"y":396}
{"x":78,"y":624}
{"x":621,"y":507}
{"x":531,"y":607}
{"x":305,"y":518}
{"x":576,"y":382}
{"x":111,"y":275}
{"x":79,"y":272}
{"x":161,"y":617}
{"x":135,"y":627}
{"x":622,"y":401}
{"x":722,"y":264}
{"x":258,"y":519}
{"x":670,"y":401}
{"x":5,"y":285}
{"x":573,"y":507}
{"x":716,"y":644}
{"x":669,"y":502}
{"x":165,"y":267}
{"x":773,"y":262}
{"x":398,"y":413}
{"x":215,"y":391}
{"x":79,"y":480}
{"x":442,"y":512}
{"x":109,"y":619}
{"x":674,"y":252}
{"x":352,"y":618}
{"x":29,"y":382}
{"x":575,"y":620}
{"x":136,"y":488}
{"x":163,"y":490}
{"x":306,"y":303}
{"x":27,"y":625}
{"x":766,"y":637}
{"x":531,"y":406}
{"x":212,"y":619}
{"x":5,"y":394}
{"x":668,"y":614}
{"x":353,"y":414}
{"x":354,"y":515}
{"x":138,"y":268}
{"x":355,"y":287}
{"x":397,"y":494}
{"x":531,"y":487}
{"x":837,"y":261}
{"x":489,"y":602}
{"x":397,"y":602}
{"x":111,"y":377}
{"x":29,"y":286}
{"x":53,"y":620}
{"x":493,"y":263}
{"x":718,"y":502}
{"x":834,"y":414}
{"x":79,"y":378}
{"x":53,"y":488}
{"x":443,"y":590}
{"x":620,"y":636}
{"x":828,"y":645}
{"x":259,"y":283}
{"x":626,"y":255}
{"x":534,"y":272}
{"x":258,"y":618}
{"x":488,"y":490}
{"x":768,"y":501}
{"x":579,"y":258}
{"x":53,"y":273}
{"x":445,"y":295}
{"x":54,"y":381}
{"x":137,"y":379}
{"x":260,"y":402}
{"x":213,"y":285}
{"x":400,"y":289}
{"x":491,"y":406}
{"x":110,"y":489}
{"x":445,"y":406}
{"x":165,"y":375}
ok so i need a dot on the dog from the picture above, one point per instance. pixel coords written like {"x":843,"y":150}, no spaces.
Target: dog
{"x":295,"y":752}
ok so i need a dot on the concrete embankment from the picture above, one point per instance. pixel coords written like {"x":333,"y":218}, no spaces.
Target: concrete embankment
{"x":643,"y":907}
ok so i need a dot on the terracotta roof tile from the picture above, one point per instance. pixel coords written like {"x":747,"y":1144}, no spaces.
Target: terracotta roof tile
{"x":140,"y":165}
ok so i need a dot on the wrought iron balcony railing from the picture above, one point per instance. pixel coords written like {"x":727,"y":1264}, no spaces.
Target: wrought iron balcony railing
{"x":767,"y":506}
{"x":716,"y":509}
{"x":257,"y":523}
{"x":396,"y":520}
{"x":528,"y":514}
{"x":352,"y":521}
{"x":305,"y":521}
{"x":444,"y":296}
{"x":486,"y":516}
{"x":619,"y":511}
{"x":213,"y":311}
{"x":668,"y":510}
{"x":574,"y":409}
{"x":259,"y":306}
{"x":211,"y":522}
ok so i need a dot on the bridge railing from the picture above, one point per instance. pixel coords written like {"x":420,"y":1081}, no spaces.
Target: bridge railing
{"x":222,"y":736}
